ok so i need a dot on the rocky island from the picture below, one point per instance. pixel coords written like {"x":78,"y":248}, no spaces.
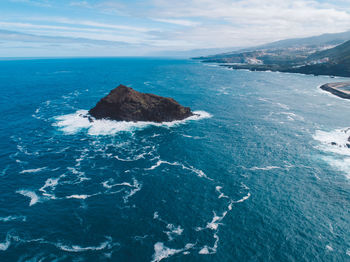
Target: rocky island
{"x":341,"y":89}
{"x":125,"y":104}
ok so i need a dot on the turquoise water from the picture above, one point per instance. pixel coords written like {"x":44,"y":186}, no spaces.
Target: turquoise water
{"x":254,"y":178}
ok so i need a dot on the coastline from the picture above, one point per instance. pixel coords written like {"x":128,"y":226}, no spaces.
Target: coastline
{"x":316,"y":70}
{"x":338,"y":89}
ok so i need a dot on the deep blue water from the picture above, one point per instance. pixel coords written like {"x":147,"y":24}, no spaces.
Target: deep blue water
{"x":255,"y":178}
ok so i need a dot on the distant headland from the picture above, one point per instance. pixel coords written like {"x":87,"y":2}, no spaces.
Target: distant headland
{"x":322,"y":55}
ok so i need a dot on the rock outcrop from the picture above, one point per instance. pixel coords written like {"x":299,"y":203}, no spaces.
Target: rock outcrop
{"x":125,"y":104}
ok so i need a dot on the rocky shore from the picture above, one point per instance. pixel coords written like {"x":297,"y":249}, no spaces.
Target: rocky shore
{"x":340,"y":89}
{"x":126,"y":104}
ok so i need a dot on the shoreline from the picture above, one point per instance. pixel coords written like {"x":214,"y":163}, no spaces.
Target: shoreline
{"x":337,"y":89}
{"x":316,"y":70}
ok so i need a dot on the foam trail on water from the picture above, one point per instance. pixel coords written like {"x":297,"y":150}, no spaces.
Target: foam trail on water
{"x":78,"y":196}
{"x":136,"y":187}
{"x":138,"y":157}
{"x":198,"y":172}
{"x":206,"y":250}
{"x":161,"y":251}
{"x":49,"y":183}
{"x":78,"y":121}
{"x":76,"y":248}
{"x":5,"y":245}
{"x":243,"y":198}
{"x":4,"y":171}
{"x":173,"y":231}
{"x":335,"y":141}
{"x":222,"y":195}
{"x":31,"y":194}
{"x":264,"y":168}
{"x":337,"y":144}
{"x":13,"y":218}
{"x":36,"y":170}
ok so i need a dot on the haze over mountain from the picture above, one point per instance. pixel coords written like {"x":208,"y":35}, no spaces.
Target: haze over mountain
{"x":327,"y":54}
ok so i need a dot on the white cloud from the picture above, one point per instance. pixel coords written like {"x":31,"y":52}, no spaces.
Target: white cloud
{"x":188,"y":24}
{"x":177,"y":21}
{"x":250,"y":22}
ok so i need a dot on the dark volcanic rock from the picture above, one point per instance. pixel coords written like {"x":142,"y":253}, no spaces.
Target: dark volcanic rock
{"x":125,"y":104}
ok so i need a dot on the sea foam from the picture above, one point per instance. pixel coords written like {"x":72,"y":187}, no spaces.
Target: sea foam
{"x":13,"y":218}
{"x":78,"y":121}
{"x":76,"y":248}
{"x":5,"y":245}
{"x":34,"y":198}
{"x":161,"y":251}
{"x":335,"y":143}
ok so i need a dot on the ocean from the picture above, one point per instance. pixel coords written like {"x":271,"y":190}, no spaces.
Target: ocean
{"x":253,"y":177}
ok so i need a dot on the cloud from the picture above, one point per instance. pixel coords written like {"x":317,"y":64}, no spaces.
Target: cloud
{"x":223,"y":23}
{"x":181,"y":25}
{"x":235,"y":23}
{"x":41,"y":3}
{"x":177,"y":21}
{"x":23,"y":37}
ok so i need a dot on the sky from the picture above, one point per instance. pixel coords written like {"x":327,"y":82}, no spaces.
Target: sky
{"x":36,"y":28}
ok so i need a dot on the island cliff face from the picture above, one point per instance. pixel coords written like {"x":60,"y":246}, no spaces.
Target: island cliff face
{"x":125,"y":104}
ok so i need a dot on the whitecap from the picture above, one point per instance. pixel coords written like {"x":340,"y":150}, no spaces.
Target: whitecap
{"x":155,"y":215}
{"x":73,"y":123}
{"x":199,"y":172}
{"x":215,"y":222}
{"x":4,"y":171}
{"x":264,"y":168}
{"x":341,"y":164}
{"x":49,"y":183}
{"x":222,"y":195}
{"x":25,"y":151}
{"x":107,"y":184}
{"x":138,"y":157}
{"x":283,"y":106}
{"x":245,"y":186}
{"x":31,"y":194}
{"x":13,"y":218}
{"x":243,"y":198}
{"x":80,"y":175}
{"x":78,"y":196}
{"x":137,"y":187}
{"x":335,"y":141}
{"x":206,"y":250}
{"x":5,"y":245}
{"x":161,"y":251}
{"x":76,"y":248}
{"x":329,"y":248}
{"x":213,"y":225}
{"x":173,"y":231}
{"x":34,"y":170}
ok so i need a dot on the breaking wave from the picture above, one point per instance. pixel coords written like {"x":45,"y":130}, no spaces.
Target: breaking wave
{"x":34,"y":198}
{"x":75,"y":248}
{"x":336,"y":144}
{"x":161,"y":251}
{"x":78,"y":121}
